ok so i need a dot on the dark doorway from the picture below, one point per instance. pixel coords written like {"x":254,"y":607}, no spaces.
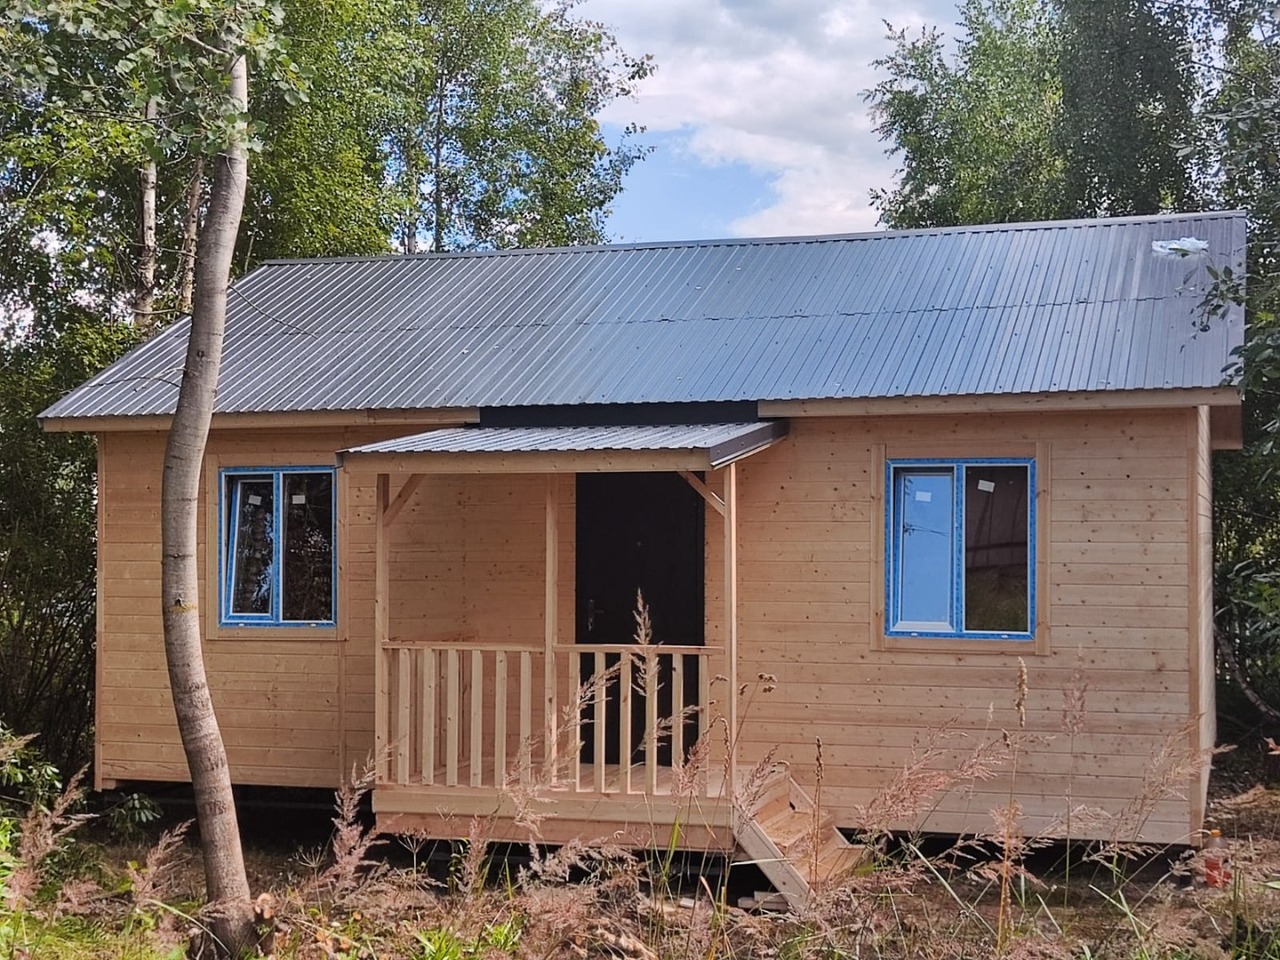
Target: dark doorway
{"x":639,"y":531}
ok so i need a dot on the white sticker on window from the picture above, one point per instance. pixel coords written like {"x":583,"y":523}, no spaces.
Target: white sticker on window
{"x":298,"y":498}
{"x":924,"y":496}
{"x":987,"y":486}
{"x":254,"y":500}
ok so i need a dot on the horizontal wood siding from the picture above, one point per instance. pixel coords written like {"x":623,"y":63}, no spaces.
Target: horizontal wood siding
{"x":278,"y":695}
{"x":1118,"y":607}
{"x":1127,"y":497}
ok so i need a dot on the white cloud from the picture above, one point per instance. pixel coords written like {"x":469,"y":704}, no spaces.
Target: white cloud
{"x":773,"y":84}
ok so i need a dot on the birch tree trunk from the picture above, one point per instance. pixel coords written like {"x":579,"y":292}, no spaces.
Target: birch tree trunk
{"x":227,"y":886}
{"x":145,"y":293}
{"x":190,"y":234}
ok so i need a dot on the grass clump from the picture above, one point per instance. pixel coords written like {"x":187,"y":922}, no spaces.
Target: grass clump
{"x":1006,"y":893}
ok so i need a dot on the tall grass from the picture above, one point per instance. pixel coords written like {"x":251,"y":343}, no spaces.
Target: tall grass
{"x":993,"y":895}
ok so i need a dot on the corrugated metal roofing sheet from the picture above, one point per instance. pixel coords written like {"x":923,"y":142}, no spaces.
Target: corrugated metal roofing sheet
{"x":1064,"y":306}
{"x":721,"y":441}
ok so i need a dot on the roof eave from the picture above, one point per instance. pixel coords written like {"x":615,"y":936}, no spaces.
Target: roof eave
{"x":1219,"y":396}
{"x":1169,"y":397}
{"x":266,"y":420}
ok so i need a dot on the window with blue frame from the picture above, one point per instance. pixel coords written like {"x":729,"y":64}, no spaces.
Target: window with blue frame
{"x":960,"y":548}
{"x":277,"y":552}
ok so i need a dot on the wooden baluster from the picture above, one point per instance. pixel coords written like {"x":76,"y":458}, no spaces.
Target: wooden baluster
{"x":500,"y":706}
{"x":451,"y":719}
{"x":624,"y":715}
{"x":477,"y":718}
{"x":427,"y":743}
{"x":651,"y":723}
{"x":704,"y":718}
{"x":404,"y":716}
{"x":382,"y":714}
{"x":677,"y":711}
{"x":526,"y":717}
{"x":575,"y":723}
{"x":601,"y":691}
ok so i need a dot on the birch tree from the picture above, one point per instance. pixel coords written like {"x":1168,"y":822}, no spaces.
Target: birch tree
{"x":226,"y":884}
{"x":181,"y":71}
{"x":1044,"y":109}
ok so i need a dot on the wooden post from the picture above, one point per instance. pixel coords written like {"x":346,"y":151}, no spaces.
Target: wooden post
{"x":731,"y":620}
{"x":381,"y":631}
{"x":551,"y":721}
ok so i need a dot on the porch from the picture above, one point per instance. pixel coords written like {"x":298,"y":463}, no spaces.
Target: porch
{"x":583,"y":738}
{"x":484,"y":731}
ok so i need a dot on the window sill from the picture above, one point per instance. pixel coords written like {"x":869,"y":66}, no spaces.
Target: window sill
{"x":1034,"y":647}
{"x":272,"y":633}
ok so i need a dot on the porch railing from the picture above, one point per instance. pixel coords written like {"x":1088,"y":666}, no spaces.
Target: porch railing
{"x":460,"y":714}
{"x":483,"y":716}
{"x":642,"y":710}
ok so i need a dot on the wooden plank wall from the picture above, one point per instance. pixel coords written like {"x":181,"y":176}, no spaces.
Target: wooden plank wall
{"x":467,"y":560}
{"x":1118,"y":603}
{"x":278,"y":694}
{"x":467,"y":565}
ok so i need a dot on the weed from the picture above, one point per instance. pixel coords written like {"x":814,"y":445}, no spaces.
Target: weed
{"x":976,"y":897}
{"x":130,"y":816}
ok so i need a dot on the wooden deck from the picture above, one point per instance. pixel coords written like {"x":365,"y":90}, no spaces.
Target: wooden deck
{"x":565,"y":810}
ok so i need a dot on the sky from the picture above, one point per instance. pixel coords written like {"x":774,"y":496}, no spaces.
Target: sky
{"x":756,"y":112}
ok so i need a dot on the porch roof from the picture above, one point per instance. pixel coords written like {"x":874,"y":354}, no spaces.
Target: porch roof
{"x":704,"y":446}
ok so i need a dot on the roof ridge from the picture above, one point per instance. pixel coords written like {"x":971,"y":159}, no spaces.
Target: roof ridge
{"x":1013,"y":227}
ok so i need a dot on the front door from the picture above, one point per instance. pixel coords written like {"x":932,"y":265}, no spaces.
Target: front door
{"x":638,"y":532}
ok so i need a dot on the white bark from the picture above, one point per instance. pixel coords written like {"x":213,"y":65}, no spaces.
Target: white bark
{"x":190,"y":234}
{"x":227,"y":885}
{"x":144,"y":297}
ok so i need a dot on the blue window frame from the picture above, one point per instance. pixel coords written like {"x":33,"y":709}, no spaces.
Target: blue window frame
{"x":276,"y":556}
{"x":960,"y":548}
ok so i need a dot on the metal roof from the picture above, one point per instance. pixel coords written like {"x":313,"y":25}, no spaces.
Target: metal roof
{"x":1014,"y":308}
{"x":722,"y":442}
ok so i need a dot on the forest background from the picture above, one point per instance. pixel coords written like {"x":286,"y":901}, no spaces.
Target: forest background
{"x":408,"y":126}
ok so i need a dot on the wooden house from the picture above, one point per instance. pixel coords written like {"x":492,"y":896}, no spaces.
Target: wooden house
{"x":859,"y":479}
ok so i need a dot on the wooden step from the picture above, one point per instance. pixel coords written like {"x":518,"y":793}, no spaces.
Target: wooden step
{"x":834,"y":863}
{"x":794,"y":845}
{"x":773,"y":795}
{"x":795,"y":829}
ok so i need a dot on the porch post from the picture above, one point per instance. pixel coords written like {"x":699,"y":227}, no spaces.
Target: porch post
{"x":381,"y":630}
{"x":731,"y":620}
{"x":551,"y":584}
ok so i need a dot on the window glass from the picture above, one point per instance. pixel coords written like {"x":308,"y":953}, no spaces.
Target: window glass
{"x":252,"y":551}
{"x":996,"y":548}
{"x":277,"y":546}
{"x":307,"y":587}
{"x":960,"y":547}
{"x":925,"y":531}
